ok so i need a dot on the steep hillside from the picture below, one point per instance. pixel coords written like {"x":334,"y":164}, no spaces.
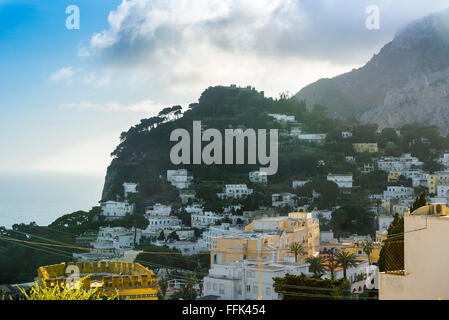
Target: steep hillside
{"x":406,"y":82}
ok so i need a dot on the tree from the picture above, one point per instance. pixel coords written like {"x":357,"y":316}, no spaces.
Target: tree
{"x":332,"y":263}
{"x":44,"y":292}
{"x":163,"y":286}
{"x":188,"y":291}
{"x":346,"y":260}
{"x":298,"y":249}
{"x":302,"y":287}
{"x":316,"y":265}
{"x":161,"y":236}
{"x":173,"y":236}
{"x":368,"y":248}
{"x":136,"y":221}
{"x":420,"y":201}
{"x":396,"y":226}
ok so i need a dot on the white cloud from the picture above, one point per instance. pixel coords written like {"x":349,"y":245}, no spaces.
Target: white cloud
{"x":182,"y":47}
{"x":145,"y":106}
{"x":66,"y":73}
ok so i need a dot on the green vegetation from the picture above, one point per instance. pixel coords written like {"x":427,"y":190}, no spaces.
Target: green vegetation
{"x":292,"y":287}
{"x":43,"y":292}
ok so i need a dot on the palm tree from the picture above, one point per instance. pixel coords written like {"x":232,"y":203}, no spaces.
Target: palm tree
{"x":316,"y":265}
{"x":298,"y":249}
{"x":163,"y":286}
{"x":332,"y":263}
{"x":188,"y":291}
{"x":368,"y":248}
{"x":346,"y":260}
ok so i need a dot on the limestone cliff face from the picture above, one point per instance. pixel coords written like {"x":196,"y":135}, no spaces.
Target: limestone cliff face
{"x":407,"y":82}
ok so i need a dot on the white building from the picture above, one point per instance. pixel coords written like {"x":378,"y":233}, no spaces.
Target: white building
{"x":114,"y":210}
{"x":235,"y":191}
{"x":342,"y":180}
{"x":156,"y":224}
{"x":129,"y":187}
{"x":219,"y":231}
{"x":299,"y":184}
{"x":185,"y":234}
{"x":326,"y":214}
{"x":117,"y":238}
{"x":295,"y":131}
{"x":205,"y":220}
{"x":240,"y":280}
{"x":442,"y":190}
{"x":312,"y":137}
{"x":158,"y":210}
{"x":419,"y":178}
{"x":258,"y":177}
{"x":181,"y":179}
{"x":282,"y":117}
{"x":283,"y":199}
{"x":187,"y":248}
{"x":349,"y":158}
{"x":425,"y":256}
{"x":368,"y":168}
{"x":394,"y":192}
{"x":346,"y":134}
{"x":194,"y":209}
{"x":401,"y":164}
{"x":326,"y":236}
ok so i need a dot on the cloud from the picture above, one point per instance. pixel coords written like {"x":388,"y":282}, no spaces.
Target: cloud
{"x":145,"y":106}
{"x":182,"y":47}
{"x":66,"y":73}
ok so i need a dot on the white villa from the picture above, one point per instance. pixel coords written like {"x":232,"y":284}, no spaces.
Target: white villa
{"x":235,"y":191}
{"x":240,"y":280}
{"x":283,"y":199}
{"x":129,"y":187}
{"x":114,"y":210}
{"x":258,"y":177}
{"x":342,"y":180}
{"x":398,"y":192}
{"x":117,"y":238}
{"x":282,"y":117}
{"x":158,"y":210}
{"x":179,"y":178}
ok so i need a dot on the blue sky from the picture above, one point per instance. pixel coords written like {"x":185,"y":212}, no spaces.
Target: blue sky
{"x":66,"y":95}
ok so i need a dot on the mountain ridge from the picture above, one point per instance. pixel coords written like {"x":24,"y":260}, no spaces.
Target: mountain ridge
{"x":406,"y":82}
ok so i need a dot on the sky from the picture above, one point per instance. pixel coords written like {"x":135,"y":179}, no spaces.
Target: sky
{"x":66,"y":95}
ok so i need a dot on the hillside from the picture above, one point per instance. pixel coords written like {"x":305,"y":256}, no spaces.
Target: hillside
{"x":144,"y":153}
{"x":406,"y":82}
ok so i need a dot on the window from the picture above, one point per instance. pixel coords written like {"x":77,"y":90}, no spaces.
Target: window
{"x":215,"y":286}
{"x":208,"y":286}
{"x":248,"y":288}
{"x":221,"y":289}
{"x":268,"y":292}
{"x":215,"y":244}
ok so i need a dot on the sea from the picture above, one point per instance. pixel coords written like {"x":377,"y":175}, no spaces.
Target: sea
{"x":43,"y":197}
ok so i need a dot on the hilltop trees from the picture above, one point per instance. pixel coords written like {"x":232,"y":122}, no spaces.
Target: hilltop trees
{"x":352,"y":220}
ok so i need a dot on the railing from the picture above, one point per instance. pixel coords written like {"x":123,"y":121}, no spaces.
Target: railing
{"x":394,"y":255}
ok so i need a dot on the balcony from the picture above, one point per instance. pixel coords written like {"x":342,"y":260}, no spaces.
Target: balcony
{"x":394,"y":256}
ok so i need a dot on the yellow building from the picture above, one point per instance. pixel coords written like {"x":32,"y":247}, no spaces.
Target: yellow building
{"x":393,"y":176}
{"x":365,"y":147}
{"x":381,"y":236}
{"x":436,"y":179}
{"x":270,"y":238}
{"x":357,"y":249}
{"x":130,"y":280}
